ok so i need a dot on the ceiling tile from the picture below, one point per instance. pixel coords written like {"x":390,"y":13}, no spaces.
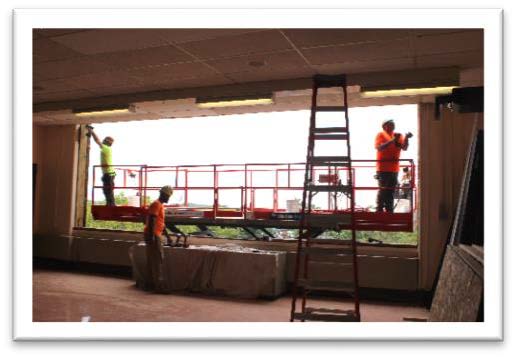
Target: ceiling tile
{"x":464,"y":59}
{"x":172,"y":71}
{"x":54,"y":32}
{"x":325,"y":37}
{"x":272,"y":74}
{"x":205,"y":81}
{"x":188,"y":35}
{"x":269,"y":61}
{"x":103,"y":79}
{"x":52,"y":86}
{"x":67,"y":68}
{"x":144,"y":57}
{"x":249,"y":43}
{"x":455,"y":42}
{"x":60,"y":96}
{"x":366,"y":66}
{"x":433,"y":32}
{"x":111,"y":40}
{"x":48,"y":50}
{"x":363,"y":52}
{"x":129,"y":88}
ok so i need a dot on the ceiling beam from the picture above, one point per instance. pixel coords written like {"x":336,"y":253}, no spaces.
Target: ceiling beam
{"x":377,"y":80}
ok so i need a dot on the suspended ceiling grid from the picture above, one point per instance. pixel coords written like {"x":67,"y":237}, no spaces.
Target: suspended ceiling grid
{"x":161,"y":71}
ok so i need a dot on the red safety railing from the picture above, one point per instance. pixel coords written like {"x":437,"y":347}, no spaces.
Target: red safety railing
{"x":258,"y":192}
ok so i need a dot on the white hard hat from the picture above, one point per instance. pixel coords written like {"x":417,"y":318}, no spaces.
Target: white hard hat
{"x":167,"y":189}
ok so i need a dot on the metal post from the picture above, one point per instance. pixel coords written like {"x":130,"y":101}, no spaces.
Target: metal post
{"x":215,"y":192}
{"x":140,"y":192}
{"x":186,"y":187}
{"x":93,"y":187}
{"x":145,"y":187}
{"x":275,"y":194}
{"x":245,"y":190}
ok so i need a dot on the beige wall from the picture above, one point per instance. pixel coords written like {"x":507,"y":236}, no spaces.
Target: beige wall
{"x":444,"y":145}
{"x":55,"y":153}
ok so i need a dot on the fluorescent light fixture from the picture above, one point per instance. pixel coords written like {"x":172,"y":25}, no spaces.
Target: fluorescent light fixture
{"x":234,"y":101}
{"x":407,"y":92}
{"x":103,"y":112}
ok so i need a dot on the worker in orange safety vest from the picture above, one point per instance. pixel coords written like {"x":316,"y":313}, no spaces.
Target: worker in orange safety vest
{"x":153,"y":236}
{"x":388,"y":145}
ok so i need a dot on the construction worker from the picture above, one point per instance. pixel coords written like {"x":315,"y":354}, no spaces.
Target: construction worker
{"x":153,"y":236}
{"x":388,"y":146}
{"x":108,"y":173}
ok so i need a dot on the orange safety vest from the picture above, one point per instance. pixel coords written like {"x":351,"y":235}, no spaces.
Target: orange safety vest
{"x":158,"y":210}
{"x":388,"y":159}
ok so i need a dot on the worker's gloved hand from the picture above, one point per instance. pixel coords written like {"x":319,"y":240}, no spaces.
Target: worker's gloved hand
{"x":90,"y":129}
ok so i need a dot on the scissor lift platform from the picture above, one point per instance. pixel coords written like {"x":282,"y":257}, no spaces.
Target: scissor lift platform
{"x":365,"y":220}
{"x":252,"y":183}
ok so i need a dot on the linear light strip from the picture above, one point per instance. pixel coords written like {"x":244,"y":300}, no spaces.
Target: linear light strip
{"x":236,"y":103}
{"x":407,"y":92}
{"x":107,"y":112}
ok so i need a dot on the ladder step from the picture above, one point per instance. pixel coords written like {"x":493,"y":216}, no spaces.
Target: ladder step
{"x":325,"y":81}
{"x":350,"y":317}
{"x":326,"y":285}
{"x":330,"y":109}
{"x":328,"y":310}
{"x":346,"y":250}
{"x":329,"y":188}
{"x":330,"y":136}
{"x":330,"y":130}
{"x":330,"y":160}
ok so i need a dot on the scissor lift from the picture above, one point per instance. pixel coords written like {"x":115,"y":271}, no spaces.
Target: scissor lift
{"x":287,"y":178}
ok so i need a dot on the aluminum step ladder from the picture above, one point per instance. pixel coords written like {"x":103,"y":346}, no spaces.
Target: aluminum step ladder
{"x":343,"y":253}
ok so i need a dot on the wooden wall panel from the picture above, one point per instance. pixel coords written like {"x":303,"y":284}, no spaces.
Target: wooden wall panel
{"x":55,"y":148}
{"x":83,"y":153}
{"x":443,"y":151}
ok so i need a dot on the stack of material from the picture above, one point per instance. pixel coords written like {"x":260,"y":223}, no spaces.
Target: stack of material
{"x":229,"y":270}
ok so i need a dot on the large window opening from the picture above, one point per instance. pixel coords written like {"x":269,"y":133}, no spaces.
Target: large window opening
{"x":277,"y":137}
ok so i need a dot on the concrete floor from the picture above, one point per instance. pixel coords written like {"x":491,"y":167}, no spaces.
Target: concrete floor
{"x":60,"y":296}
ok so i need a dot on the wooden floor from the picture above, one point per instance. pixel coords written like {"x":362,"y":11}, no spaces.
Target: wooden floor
{"x":61,"y":296}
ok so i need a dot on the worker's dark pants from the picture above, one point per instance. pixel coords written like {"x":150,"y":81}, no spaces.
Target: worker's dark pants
{"x":154,"y":264}
{"x":108,"y":184}
{"x":387,"y":181}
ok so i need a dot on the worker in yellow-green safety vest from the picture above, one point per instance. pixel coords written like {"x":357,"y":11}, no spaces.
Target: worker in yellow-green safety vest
{"x":108,"y":173}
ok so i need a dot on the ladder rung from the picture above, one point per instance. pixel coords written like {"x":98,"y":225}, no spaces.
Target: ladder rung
{"x":329,"y":160}
{"x":329,"y":188}
{"x":327,"y":251}
{"x":330,"y":80}
{"x":330,"y":108}
{"x":326,"y":285}
{"x":330,"y":130}
{"x":330,"y":136}
{"x":328,"y":310}
{"x":326,"y":317}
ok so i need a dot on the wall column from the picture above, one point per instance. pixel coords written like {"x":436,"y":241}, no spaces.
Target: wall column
{"x":55,"y":152}
{"x":444,"y":146}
